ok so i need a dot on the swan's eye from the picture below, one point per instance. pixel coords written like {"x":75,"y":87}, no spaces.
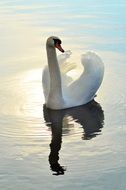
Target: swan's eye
{"x":57,"y":41}
{"x":57,"y":44}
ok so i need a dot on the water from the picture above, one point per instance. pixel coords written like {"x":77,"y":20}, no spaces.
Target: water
{"x":87,"y":144}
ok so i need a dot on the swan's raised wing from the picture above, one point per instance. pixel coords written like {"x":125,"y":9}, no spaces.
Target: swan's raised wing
{"x":83,"y":89}
{"x":65,"y":66}
{"x":62,"y":58}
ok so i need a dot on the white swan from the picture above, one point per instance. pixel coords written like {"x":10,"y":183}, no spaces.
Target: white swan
{"x":62,"y":91}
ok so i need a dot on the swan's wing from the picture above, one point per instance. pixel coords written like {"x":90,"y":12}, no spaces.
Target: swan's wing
{"x":92,"y":63}
{"x":83,"y":89}
{"x":63,"y":57}
{"x":65,"y":67}
{"x":94,"y":71}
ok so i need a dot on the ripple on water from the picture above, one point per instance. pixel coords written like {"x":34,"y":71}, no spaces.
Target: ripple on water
{"x":21,"y":107}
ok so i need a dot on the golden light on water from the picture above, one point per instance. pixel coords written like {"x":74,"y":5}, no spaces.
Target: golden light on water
{"x":24,"y":106}
{"x":23,"y":95}
{"x":33,"y":95}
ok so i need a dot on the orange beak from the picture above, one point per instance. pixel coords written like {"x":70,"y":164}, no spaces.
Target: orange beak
{"x":58,"y":46}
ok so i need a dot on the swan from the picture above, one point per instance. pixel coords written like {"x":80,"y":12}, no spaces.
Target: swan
{"x":62,"y":91}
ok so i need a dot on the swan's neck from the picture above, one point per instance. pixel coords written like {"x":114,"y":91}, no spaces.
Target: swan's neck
{"x":55,"y":93}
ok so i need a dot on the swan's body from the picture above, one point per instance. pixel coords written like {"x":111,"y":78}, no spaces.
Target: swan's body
{"x":62,"y":91}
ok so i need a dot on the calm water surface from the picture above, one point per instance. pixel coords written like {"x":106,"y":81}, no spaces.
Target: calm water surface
{"x":78,"y":148}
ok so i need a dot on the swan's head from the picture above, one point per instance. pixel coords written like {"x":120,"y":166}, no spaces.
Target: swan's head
{"x":54,"y":42}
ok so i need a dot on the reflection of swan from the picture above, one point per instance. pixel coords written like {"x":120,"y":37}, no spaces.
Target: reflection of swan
{"x":63,"y":91}
{"x":90,"y":116}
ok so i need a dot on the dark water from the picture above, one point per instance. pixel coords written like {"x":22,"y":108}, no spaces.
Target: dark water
{"x":78,"y":148}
